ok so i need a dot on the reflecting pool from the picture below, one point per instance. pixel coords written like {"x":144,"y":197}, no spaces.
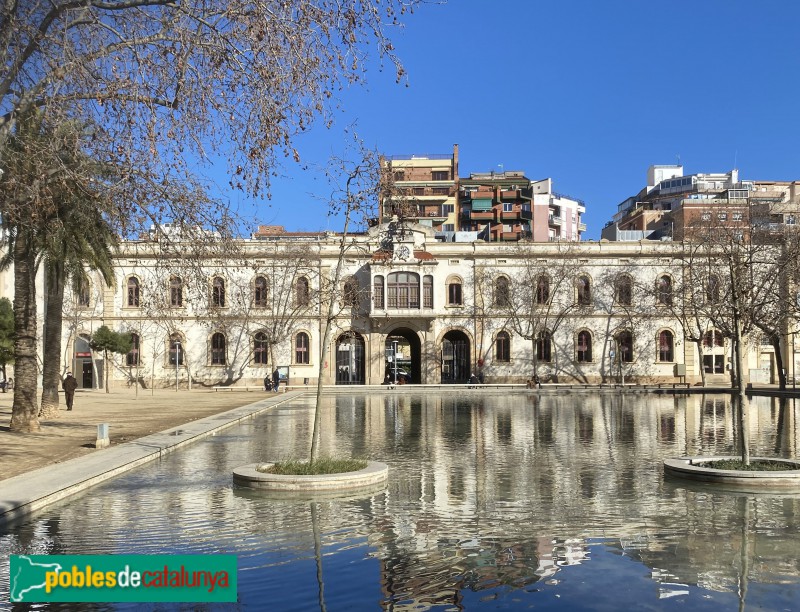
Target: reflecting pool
{"x":494,"y":501}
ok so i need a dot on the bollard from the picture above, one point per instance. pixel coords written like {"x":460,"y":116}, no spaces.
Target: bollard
{"x":102,"y":436}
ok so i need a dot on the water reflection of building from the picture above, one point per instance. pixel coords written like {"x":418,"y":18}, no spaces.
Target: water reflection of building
{"x":486,"y":493}
{"x":522,"y":479}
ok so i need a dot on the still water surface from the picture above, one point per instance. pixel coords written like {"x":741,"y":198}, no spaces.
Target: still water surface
{"x":494,"y":502}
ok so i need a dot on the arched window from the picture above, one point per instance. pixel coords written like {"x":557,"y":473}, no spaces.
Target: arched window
{"x":84,"y":294}
{"x":712,"y":289}
{"x":666,"y":346}
{"x":502,"y":347}
{"x":403,"y":290}
{"x":583,"y":349}
{"x":623,"y":290}
{"x":427,"y":291}
{"x":260,"y":295}
{"x":544,"y":346}
{"x":502,"y":292}
{"x":625,"y":346}
{"x":175,"y":292}
{"x":176,"y":349}
{"x":583,"y":289}
{"x":260,"y":348}
{"x":350,"y":293}
{"x":454,"y":292}
{"x":664,"y":290}
{"x":218,"y":292}
{"x":132,"y":358}
{"x":133,"y":292}
{"x":218,"y":349}
{"x":301,"y":354}
{"x":542,"y":289}
{"x":377,"y":293}
{"x":302,"y":292}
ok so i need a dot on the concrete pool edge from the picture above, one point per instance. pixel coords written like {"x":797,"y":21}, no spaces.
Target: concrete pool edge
{"x":27,"y":493}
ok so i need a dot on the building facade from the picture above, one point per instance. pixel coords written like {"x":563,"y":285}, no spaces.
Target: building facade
{"x":408,"y":306}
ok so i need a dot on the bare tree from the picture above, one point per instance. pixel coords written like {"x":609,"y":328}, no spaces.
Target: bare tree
{"x":162,"y":85}
{"x":539,"y":297}
{"x":358,"y":183}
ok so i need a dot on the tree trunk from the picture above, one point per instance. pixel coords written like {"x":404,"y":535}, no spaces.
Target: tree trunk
{"x":106,"y":369}
{"x":743,"y":402}
{"x":775,"y":340}
{"x":699,"y":344}
{"x":26,"y":372}
{"x":51,"y":368}
{"x":326,"y":339}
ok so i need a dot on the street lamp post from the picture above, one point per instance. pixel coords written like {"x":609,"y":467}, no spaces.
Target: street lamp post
{"x":394,"y":359}
{"x":177,"y":360}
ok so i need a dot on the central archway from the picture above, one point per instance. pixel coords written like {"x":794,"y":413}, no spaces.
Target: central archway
{"x":404,"y":344}
{"x":455,"y":357}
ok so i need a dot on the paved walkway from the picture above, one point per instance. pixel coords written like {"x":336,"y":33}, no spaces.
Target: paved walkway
{"x":61,"y":460}
{"x":129,"y":416}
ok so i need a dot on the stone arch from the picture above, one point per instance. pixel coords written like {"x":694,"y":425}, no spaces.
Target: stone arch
{"x":350,"y":359}
{"x":409,"y":347}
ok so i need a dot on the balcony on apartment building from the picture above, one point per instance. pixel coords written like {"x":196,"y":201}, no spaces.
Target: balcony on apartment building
{"x":581,"y":227}
{"x":430,"y":192}
{"x":482,"y":193}
{"x":516,"y":214}
{"x":478,"y":215}
{"x":554,"y":220}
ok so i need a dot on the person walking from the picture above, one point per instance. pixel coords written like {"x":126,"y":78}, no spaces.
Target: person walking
{"x":69,"y":385}
{"x":276,"y":380}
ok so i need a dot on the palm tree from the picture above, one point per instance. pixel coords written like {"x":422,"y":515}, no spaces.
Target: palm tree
{"x":79,"y":237}
{"x":45,"y":173}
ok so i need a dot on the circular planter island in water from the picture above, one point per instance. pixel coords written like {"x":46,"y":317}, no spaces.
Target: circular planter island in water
{"x":696,"y":469}
{"x":251,"y":476}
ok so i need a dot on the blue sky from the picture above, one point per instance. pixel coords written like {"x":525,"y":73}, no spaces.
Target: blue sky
{"x":588,"y":92}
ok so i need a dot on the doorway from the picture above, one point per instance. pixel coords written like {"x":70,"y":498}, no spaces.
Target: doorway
{"x":350,"y":359}
{"x":455,"y":357}
{"x":402,"y":355}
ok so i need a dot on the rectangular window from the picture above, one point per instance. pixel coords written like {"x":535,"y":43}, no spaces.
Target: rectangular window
{"x":508,"y":207}
{"x":440,"y":175}
{"x":427,"y":292}
{"x":377,"y":293}
{"x":448,"y":208}
{"x":301,"y":355}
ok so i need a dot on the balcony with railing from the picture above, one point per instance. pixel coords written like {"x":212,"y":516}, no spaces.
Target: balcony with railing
{"x":481,"y":215}
{"x":554,"y":220}
{"x":477,"y":195}
{"x":516,"y":215}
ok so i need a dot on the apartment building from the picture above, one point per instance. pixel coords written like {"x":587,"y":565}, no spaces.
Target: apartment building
{"x":426,"y":185}
{"x":672,"y":206}
{"x":507,"y":206}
